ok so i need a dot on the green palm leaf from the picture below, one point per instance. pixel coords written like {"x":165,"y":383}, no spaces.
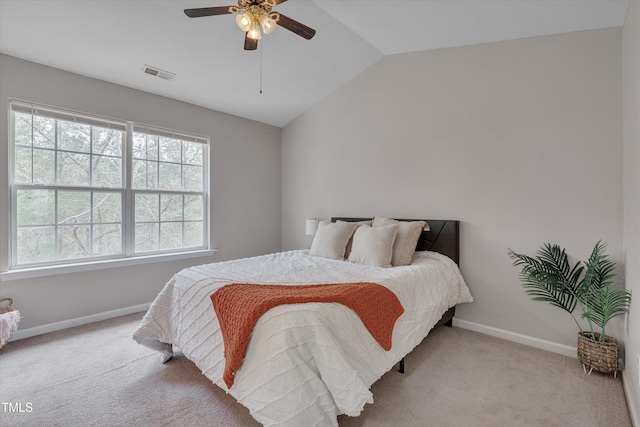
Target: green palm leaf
{"x":604,"y":304}
{"x":549,"y":277}
{"x":600,"y":270}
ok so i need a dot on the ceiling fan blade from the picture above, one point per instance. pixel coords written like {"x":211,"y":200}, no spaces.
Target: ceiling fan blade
{"x":208,"y":11}
{"x":277,"y":2}
{"x":296,"y":27}
{"x":250,"y":44}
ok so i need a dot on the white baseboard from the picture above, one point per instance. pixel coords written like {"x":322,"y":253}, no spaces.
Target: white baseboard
{"x":633,"y":404}
{"x":78,"y":321}
{"x":519,"y":338}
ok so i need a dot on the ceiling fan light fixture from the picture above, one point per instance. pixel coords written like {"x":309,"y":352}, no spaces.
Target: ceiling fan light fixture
{"x":255,"y":17}
{"x":245,"y":20}
{"x":267,"y":24}
{"x":254,"y":31}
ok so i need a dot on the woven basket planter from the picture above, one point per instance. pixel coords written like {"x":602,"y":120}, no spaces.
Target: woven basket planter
{"x":596,"y":355}
{"x":5,"y":307}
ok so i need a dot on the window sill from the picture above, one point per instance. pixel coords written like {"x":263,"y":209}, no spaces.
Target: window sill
{"x":28,"y":273}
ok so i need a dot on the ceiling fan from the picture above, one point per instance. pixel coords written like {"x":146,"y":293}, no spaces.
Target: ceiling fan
{"x":251,"y":15}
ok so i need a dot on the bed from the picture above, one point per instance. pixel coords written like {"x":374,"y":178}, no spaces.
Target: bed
{"x":305,"y":364}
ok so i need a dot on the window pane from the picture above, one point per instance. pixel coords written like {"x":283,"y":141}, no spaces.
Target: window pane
{"x":44,"y":132}
{"x":22,"y":165}
{"x":144,"y":175}
{"x":73,"y":169}
{"x":35,"y":244}
{"x":74,"y":241}
{"x":170,"y":235}
{"x":107,"y":141}
{"x":152,"y":176}
{"x":42,"y":162}
{"x":171,"y":207}
{"x":170,"y":177}
{"x":146,"y":238}
{"x":139,"y":174}
{"x":191,"y":153}
{"x":107,"y":207}
{"x":44,"y":170}
{"x":193,"y":234}
{"x":146,"y":207}
{"x":192,"y":207}
{"x":36,"y":207}
{"x":107,"y":171}
{"x":192,"y":178}
{"x":170,"y":150}
{"x":107,"y":239}
{"x":74,"y":207}
{"x":22,"y":129}
{"x":139,"y":145}
{"x":152,"y":147}
{"x":73,"y":136}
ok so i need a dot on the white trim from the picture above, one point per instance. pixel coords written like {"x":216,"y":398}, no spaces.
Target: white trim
{"x":519,"y":338}
{"x":27,"y":273}
{"x":78,"y":321}
{"x":632,"y":404}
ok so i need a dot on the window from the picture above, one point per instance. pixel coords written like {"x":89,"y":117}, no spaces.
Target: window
{"x":168,"y":193}
{"x":87,"y":188}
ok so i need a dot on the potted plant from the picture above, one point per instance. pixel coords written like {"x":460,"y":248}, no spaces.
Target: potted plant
{"x":550,"y":277}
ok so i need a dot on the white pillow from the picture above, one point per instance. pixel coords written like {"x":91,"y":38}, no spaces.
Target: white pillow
{"x":330,"y":240}
{"x":373,"y":245}
{"x":350,"y":242}
{"x":406,"y":240}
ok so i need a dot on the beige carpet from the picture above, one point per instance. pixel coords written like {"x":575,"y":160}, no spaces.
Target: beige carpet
{"x":96,"y":375}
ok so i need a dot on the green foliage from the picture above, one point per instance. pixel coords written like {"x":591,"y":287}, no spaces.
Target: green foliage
{"x":600,"y":270}
{"x":550,"y":277}
{"x":603,"y":304}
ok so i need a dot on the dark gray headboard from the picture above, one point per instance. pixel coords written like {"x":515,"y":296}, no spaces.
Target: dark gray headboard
{"x":444,"y":236}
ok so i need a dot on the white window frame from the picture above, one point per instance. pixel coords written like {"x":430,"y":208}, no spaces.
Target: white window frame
{"x":128,"y":257}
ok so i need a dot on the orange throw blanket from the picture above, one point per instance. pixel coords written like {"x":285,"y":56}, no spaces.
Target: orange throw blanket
{"x":240,"y":305}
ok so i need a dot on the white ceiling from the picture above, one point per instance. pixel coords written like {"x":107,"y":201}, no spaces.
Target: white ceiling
{"x":112,"y":39}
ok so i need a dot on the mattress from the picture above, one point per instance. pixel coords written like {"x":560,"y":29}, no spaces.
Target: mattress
{"x":305,"y":363}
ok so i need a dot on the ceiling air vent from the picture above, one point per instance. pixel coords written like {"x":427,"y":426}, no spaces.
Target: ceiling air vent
{"x":157,"y":72}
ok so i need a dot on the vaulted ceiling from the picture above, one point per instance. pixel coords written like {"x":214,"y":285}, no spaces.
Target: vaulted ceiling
{"x":113,"y":40}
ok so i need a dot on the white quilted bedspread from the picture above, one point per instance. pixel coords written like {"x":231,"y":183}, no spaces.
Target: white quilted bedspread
{"x":305,"y":363}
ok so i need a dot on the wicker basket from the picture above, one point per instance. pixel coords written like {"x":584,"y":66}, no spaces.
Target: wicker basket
{"x":601,"y":356}
{"x":5,"y":309}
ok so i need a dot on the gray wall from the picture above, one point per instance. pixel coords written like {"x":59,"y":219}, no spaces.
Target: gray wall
{"x":520,"y":140}
{"x":245,"y":190}
{"x":631,"y":185}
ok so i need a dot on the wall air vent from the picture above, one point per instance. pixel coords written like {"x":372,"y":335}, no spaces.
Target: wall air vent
{"x":157,"y":72}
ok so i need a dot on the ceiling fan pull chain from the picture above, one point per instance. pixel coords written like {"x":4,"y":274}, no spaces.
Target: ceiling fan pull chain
{"x":261,"y":47}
